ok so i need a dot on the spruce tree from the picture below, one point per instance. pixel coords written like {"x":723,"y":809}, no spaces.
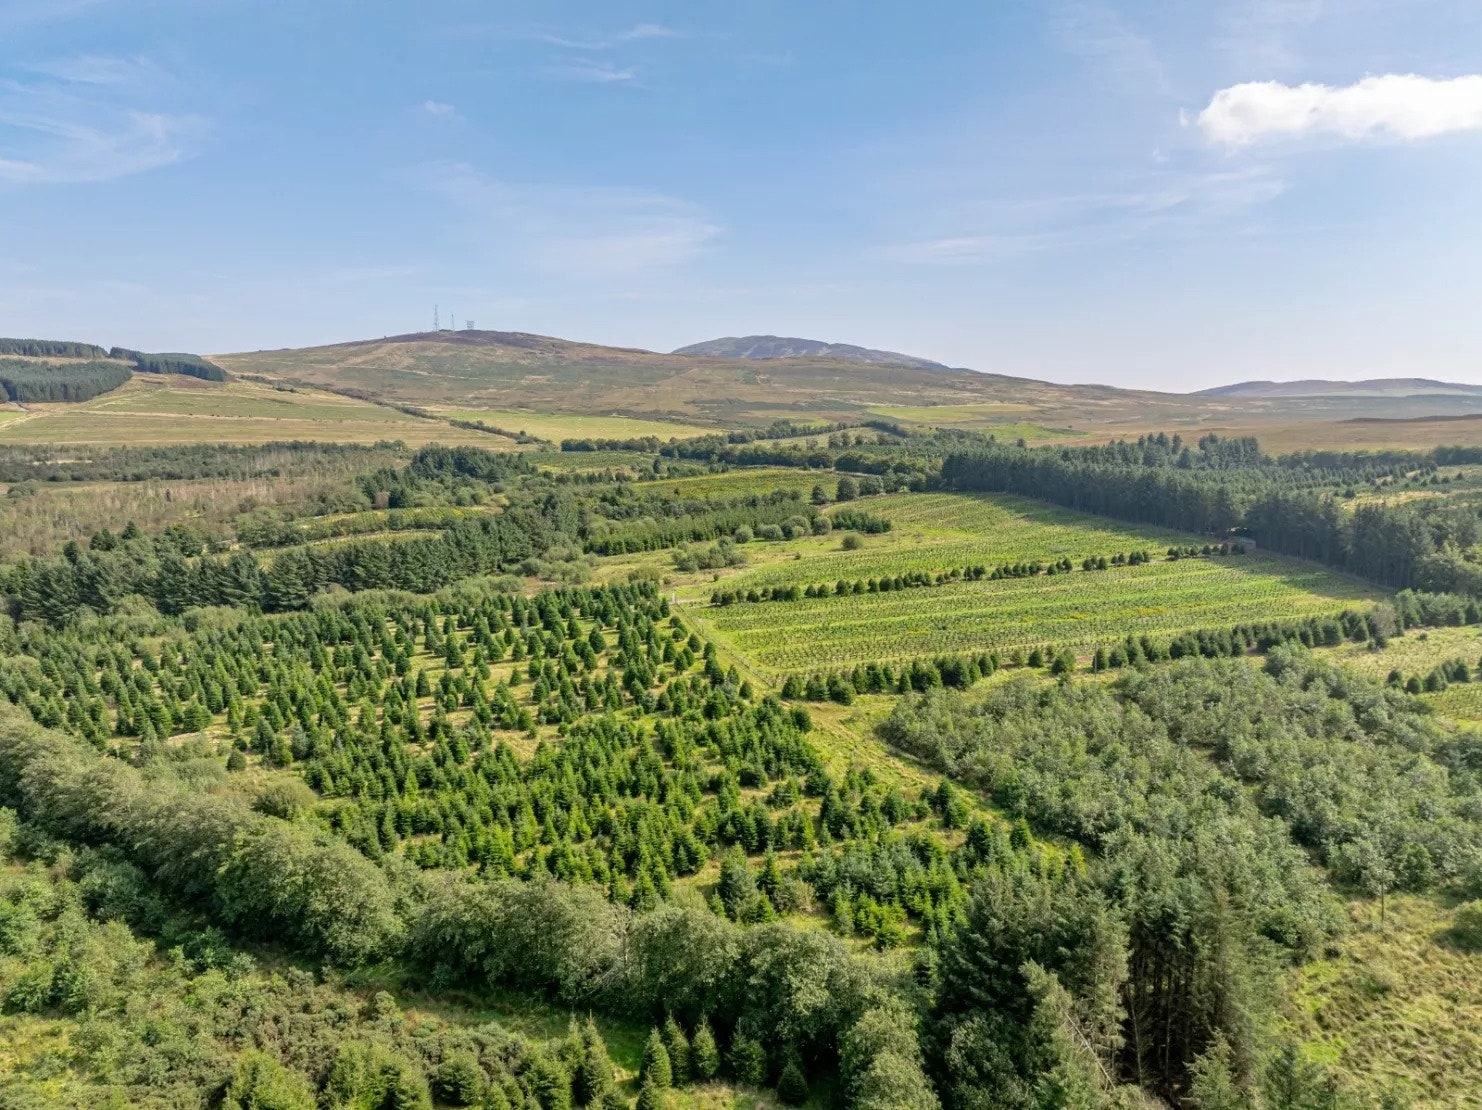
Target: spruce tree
{"x":656,"y":1067}
{"x":679,"y":1049}
{"x":704,"y":1055}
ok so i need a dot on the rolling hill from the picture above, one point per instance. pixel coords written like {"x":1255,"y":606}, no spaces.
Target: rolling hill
{"x":1317,"y":387}
{"x":500,"y":378}
{"x":778,"y":346}
{"x":516,"y":370}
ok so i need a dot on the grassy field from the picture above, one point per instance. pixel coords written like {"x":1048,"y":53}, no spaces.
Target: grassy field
{"x":1399,"y":1009}
{"x":574,"y":461}
{"x":166,"y":410}
{"x":1418,"y":653}
{"x":939,"y":531}
{"x":559,"y":426}
{"x":744,"y":482}
{"x":1007,"y":421}
{"x":1077,"y":610}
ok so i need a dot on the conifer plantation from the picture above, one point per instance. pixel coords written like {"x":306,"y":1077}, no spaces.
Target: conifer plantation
{"x":467,"y":777}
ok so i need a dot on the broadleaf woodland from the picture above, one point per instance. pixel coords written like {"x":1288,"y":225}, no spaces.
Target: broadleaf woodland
{"x":461,"y":727}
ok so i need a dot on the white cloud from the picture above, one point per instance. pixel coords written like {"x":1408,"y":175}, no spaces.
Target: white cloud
{"x":1393,"y":106}
{"x":438,"y":108}
{"x":576,"y":231}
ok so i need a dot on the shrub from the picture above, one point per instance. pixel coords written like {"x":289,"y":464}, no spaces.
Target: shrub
{"x":261,"y":1083}
{"x":460,"y":1081}
{"x":1466,"y":927}
{"x":851,"y":542}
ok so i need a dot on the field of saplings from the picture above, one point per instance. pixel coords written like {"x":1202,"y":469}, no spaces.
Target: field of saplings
{"x":1024,"y":607}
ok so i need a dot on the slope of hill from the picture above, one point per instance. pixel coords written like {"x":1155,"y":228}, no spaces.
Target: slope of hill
{"x":1391,"y":387}
{"x":779,"y":346}
{"x":515,"y":370}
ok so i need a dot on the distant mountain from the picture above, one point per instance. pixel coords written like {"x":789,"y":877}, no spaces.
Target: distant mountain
{"x":781,"y":346}
{"x":1372,"y":387}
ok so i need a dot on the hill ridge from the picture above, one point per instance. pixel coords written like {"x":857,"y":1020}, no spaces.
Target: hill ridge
{"x":771,"y":347}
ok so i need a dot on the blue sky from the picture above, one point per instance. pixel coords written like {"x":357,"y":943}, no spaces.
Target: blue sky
{"x":1164,"y":194}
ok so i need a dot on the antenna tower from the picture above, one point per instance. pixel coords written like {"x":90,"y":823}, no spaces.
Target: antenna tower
{"x":436,"y":322}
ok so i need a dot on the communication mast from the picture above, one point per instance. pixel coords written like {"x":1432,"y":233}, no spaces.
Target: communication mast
{"x":436,"y":322}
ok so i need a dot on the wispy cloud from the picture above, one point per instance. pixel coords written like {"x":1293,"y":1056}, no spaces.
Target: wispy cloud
{"x":1118,"y":54}
{"x":637,"y":33}
{"x":1263,"y":34}
{"x":102,"y":70}
{"x":597,"y":72}
{"x":74,"y":123}
{"x":439,"y":109}
{"x":651,"y":31}
{"x":20,"y":13}
{"x":1172,"y":204}
{"x":1393,"y":106}
{"x":575,"y":231}
{"x":599,"y":59}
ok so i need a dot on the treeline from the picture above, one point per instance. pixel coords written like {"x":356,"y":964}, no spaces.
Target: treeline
{"x":912,"y":459}
{"x":958,"y":672}
{"x":955,"y":672}
{"x":1397,"y":545}
{"x":87,"y":463}
{"x":56,"y":590}
{"x":193,"y":366}
{"x":780,"y":429}
{"x":754,"y":514}
{"x":977,"y":572}
{"x":39,"y":382}
{"x":51,"y":348}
